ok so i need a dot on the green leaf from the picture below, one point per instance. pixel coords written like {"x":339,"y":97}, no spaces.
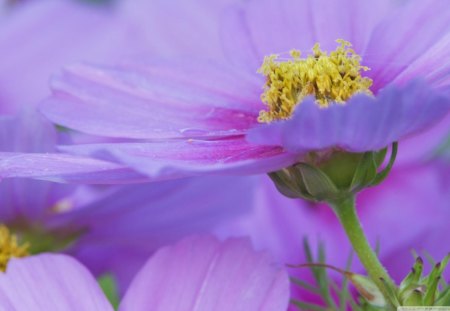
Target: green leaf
{"x":109,"y":286}
{"x":304,"y":285}
{"x":308,"y":306}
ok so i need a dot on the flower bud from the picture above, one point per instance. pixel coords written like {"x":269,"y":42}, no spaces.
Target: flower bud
{"x":332,"y":176}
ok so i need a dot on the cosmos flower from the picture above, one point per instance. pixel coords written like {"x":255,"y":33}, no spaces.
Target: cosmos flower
{"x":104,"y":227}
{"x":383,"y":82}
{"x":198,"y":273}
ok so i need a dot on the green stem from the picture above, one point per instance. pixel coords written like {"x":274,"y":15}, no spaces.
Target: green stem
{"x":346,"y":212}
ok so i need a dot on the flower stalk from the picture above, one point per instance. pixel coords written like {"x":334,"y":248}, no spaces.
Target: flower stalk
{"x":346,"y":213}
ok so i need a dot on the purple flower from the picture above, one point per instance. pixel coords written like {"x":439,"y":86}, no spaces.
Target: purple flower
{"x":104,"y":226}
{"x":191,"y":116}
{"x":198,"y":273}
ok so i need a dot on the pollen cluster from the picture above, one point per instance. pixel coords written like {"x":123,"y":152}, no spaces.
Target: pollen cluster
{"x":332,"y":77}
{"x":9,"y":247}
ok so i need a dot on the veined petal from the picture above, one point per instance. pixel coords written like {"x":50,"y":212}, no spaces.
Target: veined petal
{"x":155,"y":100}
{"x":28,"y":149}
{"x":200,"y":273}
{"x":279,"y":26}
{"x":50,"y":282}
{"x":65,"y":168}
{"x":397,"y":41}
{"x":364,"y":123}
{"x":179,"y":158}
{"x":431,"y":66}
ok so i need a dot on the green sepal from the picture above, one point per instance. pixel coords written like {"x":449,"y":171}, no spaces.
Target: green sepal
{"x":444,"y":298}
{"x":414,"y":297}
{"x":365,"y":172}
{"x":317,"y":183}
{"x":412,"y":279}
{"x":284,"y":183}
{"x":384,"y":173}
{"x":437,"y":271}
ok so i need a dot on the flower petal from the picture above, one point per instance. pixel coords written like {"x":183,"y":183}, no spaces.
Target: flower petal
{"x":27,"y":149}
{"x":155,"y":99}
{"x":65,"y":168}
{"x":78,"y":32}
{"x":50,"y":282}
{"x":118,"y":227}
{"x":177,"y":27}
{"x":200,"y":273}
{"x":364,"y":123}
{"x":179,"y":158}
{"x":398,"y":40}
{"x":280,"y":26}
{"x":431,"y":66}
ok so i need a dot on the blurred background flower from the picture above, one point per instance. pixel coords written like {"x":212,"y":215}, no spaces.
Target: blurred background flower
{"x":198,"y":273}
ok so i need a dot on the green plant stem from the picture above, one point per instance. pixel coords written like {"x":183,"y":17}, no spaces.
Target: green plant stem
{"x":346,"y":212}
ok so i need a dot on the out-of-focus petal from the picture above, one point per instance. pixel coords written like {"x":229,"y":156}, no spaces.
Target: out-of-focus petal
{"x":179,"y":158}
{"x":200,"y":273}
{"x":34,"y":48}
{"x":134,"y":221}
{"x":50,"y":282}
{"x":27,"y":132}
{"x":179,"y":27}
{"x":364,"y":123}
{"x":155,"y":100}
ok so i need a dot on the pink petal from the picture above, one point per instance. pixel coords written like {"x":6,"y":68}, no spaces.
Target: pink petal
{"x":200,"y":273}
{"x":179,"y":158}
{"x":50,"y":282}
{"x":155,"y":99}
{"x":65,"y":168}
{"x":403,"y":36}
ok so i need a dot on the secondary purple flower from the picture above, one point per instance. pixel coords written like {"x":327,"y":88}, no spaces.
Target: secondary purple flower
{"x":198,"y":273}
{"x":199,"y":117}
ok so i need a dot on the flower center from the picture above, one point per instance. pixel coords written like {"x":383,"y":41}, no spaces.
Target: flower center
{"x":9,"y":247}
{"x":333,"y":77}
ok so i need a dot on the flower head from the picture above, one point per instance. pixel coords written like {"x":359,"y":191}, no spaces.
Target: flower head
{"x":10,"y":247}
{"x":207,"y":112}
{"x":330,"y":79}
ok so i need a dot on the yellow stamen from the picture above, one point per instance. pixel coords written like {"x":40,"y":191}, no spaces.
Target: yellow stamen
{"x":333,"y":77}
{"x":9,"y":247}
